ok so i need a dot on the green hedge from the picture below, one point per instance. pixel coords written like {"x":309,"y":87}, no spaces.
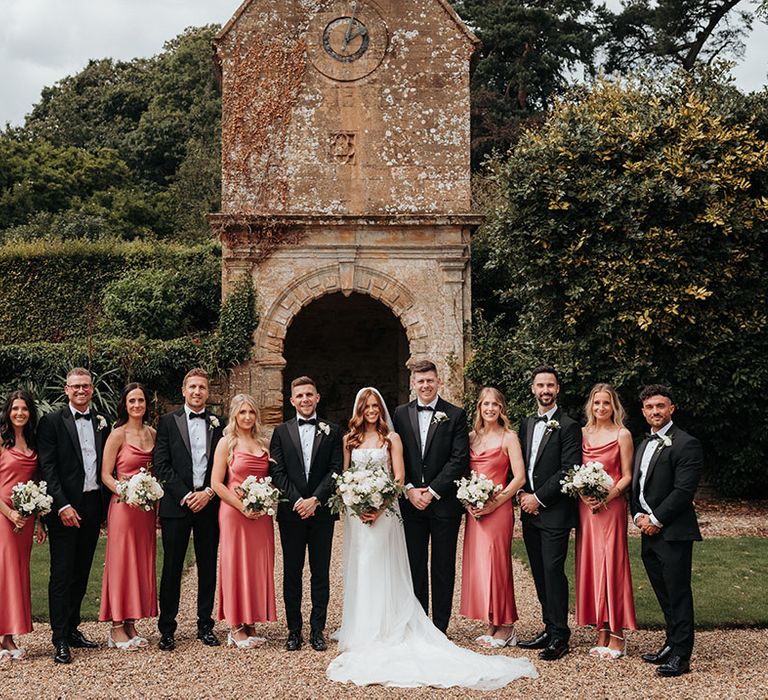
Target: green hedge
{"x":52,"y":291}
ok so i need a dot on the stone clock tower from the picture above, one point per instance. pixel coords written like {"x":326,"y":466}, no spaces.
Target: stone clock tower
{"x":346,"y":193}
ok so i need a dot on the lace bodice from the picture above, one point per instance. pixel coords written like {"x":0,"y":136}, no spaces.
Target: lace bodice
{"x":371,"y":458}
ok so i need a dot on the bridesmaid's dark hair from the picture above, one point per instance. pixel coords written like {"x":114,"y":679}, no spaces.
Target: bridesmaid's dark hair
{"x":7,"y":433}
{"x":122,"y":405}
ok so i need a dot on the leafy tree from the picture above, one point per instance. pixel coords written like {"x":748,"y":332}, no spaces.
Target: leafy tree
{"x":631,"y":244}
{"x":682,"y":33}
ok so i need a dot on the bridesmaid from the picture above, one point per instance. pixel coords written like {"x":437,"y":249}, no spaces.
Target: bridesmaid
{"x":603,"y":578}
{"x":487,"y":591}
{"x":18,"y":462}
{"x":246,"y":540}
{"x":128,"y":590}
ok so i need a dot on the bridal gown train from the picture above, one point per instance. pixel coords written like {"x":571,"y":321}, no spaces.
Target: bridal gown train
{"x":385,"y":636}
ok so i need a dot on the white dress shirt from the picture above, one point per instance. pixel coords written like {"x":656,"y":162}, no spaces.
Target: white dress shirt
{"x":425,"y":420}
{"x":307,"y":439}
{"x":645,"y":462}
{"x":197,"y":429}
{"x":87,"y":439}
{"x":538,"y":435}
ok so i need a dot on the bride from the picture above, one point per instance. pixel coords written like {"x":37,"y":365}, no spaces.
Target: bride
{"x":385,"y":636}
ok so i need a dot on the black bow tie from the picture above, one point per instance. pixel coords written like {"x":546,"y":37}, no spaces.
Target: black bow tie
{"x":419,"y":407}
{"x":307,"y":421}
{"x":654,"y":436}
{"x":201,"y":416}
{"x":543,"y":419}
{"x":83,"y":416}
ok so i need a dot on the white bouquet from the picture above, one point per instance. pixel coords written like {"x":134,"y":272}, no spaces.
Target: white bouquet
{"x":476,"y":490}
{"x":142,"y":490}
{"x":258,"y":495}
{"x":30,"y":499}
{"x":589,"y":480}
{"x":365,"y":488}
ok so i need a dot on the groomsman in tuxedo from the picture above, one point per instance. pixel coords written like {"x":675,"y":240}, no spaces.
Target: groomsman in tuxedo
{"x":667,"y":469}
{"x":551,"y":444}
{"x":183,"y":459}
{"x":70,"y":445}
{"x":436,"y":454}
{"x":305,"y":453}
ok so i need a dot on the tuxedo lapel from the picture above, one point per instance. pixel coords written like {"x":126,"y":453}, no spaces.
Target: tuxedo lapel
{"x":636,"y":467}
{"x":98,"y":440}
{"x":319,"y":435}
{"x":433,"y":425}
{"x":208,"y":435}
{"x":293,"y":431}
{"x":529,"y":440}
{"x":657,"y":453}
{"x":181,"y":424}
{"x":69,"y":424}
{"x":413,"y":417}
{"x":543,"y":444}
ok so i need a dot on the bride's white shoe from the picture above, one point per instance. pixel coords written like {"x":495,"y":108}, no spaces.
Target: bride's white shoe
{"x":122,"y":646}
{"x":510,"y":641}
{"x":246,"y":643}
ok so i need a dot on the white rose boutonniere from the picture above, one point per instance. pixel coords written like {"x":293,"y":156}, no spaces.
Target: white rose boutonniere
{"x":323,"y":428}
{"x":101,"y":422}
{"x":213,"y":422}
{"x":663,"y":440}
{"x":552,"y":424}
{"x":440,"y":417}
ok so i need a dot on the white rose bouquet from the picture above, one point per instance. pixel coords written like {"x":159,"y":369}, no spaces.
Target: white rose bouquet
{"x":141,"y":490}
{"x":476,"y":490}
{"x":30,"y":499}
{"x":589,"y":480}
{"x":259,"y":495}
{"x":365,"y":488}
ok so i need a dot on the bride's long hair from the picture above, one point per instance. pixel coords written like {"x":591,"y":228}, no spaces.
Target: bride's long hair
{"x":356,"y":433}
{"x":232,"y":432}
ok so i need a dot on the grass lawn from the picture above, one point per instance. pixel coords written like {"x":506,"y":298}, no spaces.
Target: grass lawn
{"x":40,"y":568}
{"x":729,"y":577}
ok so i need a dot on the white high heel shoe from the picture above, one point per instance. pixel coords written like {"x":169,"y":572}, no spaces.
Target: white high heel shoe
{"x":18,"y":653}
{"x":5,"y":655}
{"x":241,"y":643}
{"x":122,"y":646}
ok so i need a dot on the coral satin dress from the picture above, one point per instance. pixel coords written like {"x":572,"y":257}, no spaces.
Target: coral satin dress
{"x":15,"y":547}
{"x":603,"y":576}
{"x":129,"y":586}
{"x":247,"y":552}
{"x":487,"y":589}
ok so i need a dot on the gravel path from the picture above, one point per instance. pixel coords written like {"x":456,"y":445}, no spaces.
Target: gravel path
{"x":727,"y":664}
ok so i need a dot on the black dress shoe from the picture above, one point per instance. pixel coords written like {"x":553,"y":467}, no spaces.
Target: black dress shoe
{"x":557,"y":649}
{"x":62,"y":655}
{"x":295,"y":640}
{"x":676,"y":666}
{"x":167,"y":643}
{"x":317,"y":640}
{"x":540,"y":641}
{"x":208,"y":638}
{"x":79,"y":641}
{"x":658,"y":657}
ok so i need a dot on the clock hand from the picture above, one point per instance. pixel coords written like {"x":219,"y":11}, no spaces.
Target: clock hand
{"x":348,"y":35}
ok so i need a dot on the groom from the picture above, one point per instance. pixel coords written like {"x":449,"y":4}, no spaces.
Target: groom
{"x":436,"y":454}
{"x":551,"y":444}
{"x":668,"y":466}
{"x":305,"y":453}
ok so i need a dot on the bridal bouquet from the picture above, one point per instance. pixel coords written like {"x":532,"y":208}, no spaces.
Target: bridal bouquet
{"x":476,"y":490}
{"x":142,"y":490}
{"x":589,"y":480}
{"x":258,"y":495}
{"x":365,"y":488}
{"x":31,"y":499}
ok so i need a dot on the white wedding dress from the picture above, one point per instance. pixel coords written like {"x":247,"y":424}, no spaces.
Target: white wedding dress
{"x":385,"y":636}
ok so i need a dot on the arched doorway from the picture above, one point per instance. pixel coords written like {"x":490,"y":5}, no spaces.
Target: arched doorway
{"x":345,"y":343}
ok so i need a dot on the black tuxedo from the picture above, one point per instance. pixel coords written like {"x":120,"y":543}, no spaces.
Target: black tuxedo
{"x":546,"y":535}
{"x":173,"y":467}
{"x":71,"y":548}
{"x":445,"y":459}
{"x":670,"y":484}
{"x":315,"y":533}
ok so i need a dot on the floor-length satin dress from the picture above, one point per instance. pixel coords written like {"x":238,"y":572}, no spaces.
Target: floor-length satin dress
{"x":15,"y":547}
{"x":487,"y":590}
{"x":129,"y":586}
{"x":603,"y":576}
{"x":247,"y":552}
{"x":386,"y":637}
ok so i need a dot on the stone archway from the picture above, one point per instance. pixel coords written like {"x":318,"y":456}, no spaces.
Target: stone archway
{"x":345,"y":342}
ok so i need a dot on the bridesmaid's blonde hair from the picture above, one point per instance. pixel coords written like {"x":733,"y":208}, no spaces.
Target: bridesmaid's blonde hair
{"x":618,"y":410}
{"x":498,"y":397}
{"x":232,"y":433}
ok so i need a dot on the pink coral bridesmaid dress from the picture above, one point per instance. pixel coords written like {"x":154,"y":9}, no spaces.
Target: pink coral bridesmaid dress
{"x":247,"y":552}
{"x":603,"y":576}
{"x":129,"y":586}
{"x":487,"y":590}
{"x":15,"y":547}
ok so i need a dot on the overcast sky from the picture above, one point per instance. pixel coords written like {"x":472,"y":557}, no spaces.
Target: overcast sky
{"x":42,"y":41}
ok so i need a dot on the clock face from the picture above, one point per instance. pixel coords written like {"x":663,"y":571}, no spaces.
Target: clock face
{"x":348,"y":40}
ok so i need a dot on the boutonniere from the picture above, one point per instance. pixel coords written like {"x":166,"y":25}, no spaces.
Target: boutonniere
{"x":552,"y":424}
{"x":213,"y":422}
{"x":664,"y":441}
{"x":101,"y":422}
{"x":440,"y":417}
{"x":323,"y":428}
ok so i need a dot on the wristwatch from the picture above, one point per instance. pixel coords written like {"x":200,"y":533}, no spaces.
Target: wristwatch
{"x":209,"y":492}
